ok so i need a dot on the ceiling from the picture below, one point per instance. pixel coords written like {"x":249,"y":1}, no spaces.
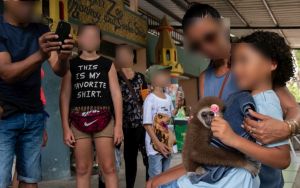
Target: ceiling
{"x":246,"y":16}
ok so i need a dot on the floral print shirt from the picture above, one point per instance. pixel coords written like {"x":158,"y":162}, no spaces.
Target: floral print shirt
{"x":132,"y":105}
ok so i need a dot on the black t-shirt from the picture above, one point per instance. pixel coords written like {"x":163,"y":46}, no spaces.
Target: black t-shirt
{"x":21,"y":42}
{"x":90,"y":84}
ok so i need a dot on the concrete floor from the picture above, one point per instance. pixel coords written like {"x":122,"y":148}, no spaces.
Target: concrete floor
{"x":140,"y":179}
{"x":291,"y":176}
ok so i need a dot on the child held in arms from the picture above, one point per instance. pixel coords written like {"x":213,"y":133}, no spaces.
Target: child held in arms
{"x":260,"y":62}
{"x":158,"y":110}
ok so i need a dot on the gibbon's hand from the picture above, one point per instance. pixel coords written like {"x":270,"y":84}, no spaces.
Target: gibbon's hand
{"x":69,"y":138}
{"x":118,"y":135}
{"x":222,"y":130}
{"x":162,"y":148}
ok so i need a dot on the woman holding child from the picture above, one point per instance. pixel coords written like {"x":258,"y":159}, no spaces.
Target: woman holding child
{"x":268,"y":57}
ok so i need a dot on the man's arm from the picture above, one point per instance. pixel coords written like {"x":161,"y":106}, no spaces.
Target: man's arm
{"x":58,"y":60}
{"x":13,"y":71}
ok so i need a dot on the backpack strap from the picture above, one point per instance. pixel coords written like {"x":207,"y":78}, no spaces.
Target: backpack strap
{"x":223,"y":85}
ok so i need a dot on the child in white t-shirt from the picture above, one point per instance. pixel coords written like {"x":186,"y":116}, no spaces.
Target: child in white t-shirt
{"x":158,"y":110}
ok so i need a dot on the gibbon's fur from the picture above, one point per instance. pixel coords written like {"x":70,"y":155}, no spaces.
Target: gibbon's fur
{"x":197,"y":149}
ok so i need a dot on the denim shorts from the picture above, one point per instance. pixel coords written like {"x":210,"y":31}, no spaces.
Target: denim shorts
{"x":21,"y":135}
{"x":158,"y":164}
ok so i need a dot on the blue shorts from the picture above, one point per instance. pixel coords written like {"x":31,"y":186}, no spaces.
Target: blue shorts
{"x":158,"y":164}
{"x":21,"y":135}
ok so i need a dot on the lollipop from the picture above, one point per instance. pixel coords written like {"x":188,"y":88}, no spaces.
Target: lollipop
{"x":214,"y":108}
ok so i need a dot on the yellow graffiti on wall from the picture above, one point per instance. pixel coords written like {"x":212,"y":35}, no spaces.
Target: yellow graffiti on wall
{"x":111,"y":16}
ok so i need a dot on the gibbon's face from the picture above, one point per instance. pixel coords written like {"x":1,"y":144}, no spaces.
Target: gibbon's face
{"x":205,"y":116}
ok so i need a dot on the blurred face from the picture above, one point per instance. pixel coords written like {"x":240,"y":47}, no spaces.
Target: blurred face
{"x":22,"y":11}
{"x":162,"y":79}
{"x":89,"y":39}
{"x":124,"y":57}
{"x":208,"y":37}
{"x":250,"y":67}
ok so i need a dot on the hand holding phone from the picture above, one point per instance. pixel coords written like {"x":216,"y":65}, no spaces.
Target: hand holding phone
{"x":63,"y":31}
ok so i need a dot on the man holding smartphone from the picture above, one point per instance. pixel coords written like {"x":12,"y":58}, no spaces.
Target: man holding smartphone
{"x":24,"y":46}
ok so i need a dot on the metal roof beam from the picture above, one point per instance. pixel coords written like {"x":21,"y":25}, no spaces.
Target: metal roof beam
{"x":164,"y":10}
{"x":270,"y":12}
{"x":237,"y":13}
{"x":274,"y":18}
{"x":244,"y":27}
{"x":182,"y":5}
{"x":265,"y":27}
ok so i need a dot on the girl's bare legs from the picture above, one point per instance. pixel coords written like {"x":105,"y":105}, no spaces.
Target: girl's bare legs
{"x":106,"y":155}
{"x":84,"y":162}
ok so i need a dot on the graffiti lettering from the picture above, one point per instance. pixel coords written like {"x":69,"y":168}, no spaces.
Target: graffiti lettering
{"x":76,"y":8}
{"x":111,"y":16}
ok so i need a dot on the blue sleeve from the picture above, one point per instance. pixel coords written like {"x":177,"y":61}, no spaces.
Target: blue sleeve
{"x":274,"y":111}
{"x":147,"y":112}
{"x":43,"y":29}
{"x":246,"y":103}
{"x":3,"y":47}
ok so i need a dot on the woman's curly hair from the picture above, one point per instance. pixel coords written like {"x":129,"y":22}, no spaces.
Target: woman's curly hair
{"x":274,"y":47}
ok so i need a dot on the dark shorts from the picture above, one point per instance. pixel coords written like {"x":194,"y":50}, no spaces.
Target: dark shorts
{"x":21,"y":135}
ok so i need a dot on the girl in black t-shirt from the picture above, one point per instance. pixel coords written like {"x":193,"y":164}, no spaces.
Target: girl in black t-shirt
{"x":91,"y":109}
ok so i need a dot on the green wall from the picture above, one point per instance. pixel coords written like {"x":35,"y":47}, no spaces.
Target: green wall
{"x":192,"y":64}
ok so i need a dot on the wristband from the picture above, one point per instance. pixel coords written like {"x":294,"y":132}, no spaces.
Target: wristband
{"x":290,"y":128}
{"x":294,"y":127}
{"x":297,"y":127}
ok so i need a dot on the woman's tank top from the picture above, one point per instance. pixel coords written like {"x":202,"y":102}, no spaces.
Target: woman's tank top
{"x":213,"y":84}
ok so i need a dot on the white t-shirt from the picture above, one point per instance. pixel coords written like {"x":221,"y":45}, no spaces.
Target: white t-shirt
{"x":156,"y":109}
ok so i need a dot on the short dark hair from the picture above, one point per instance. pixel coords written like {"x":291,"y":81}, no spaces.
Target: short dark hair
{"x":82,"y":27}
{"x":274,"y":47}
{"x":199,"y":10}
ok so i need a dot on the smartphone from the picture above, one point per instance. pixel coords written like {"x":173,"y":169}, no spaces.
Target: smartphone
{"x":63,"y":30}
